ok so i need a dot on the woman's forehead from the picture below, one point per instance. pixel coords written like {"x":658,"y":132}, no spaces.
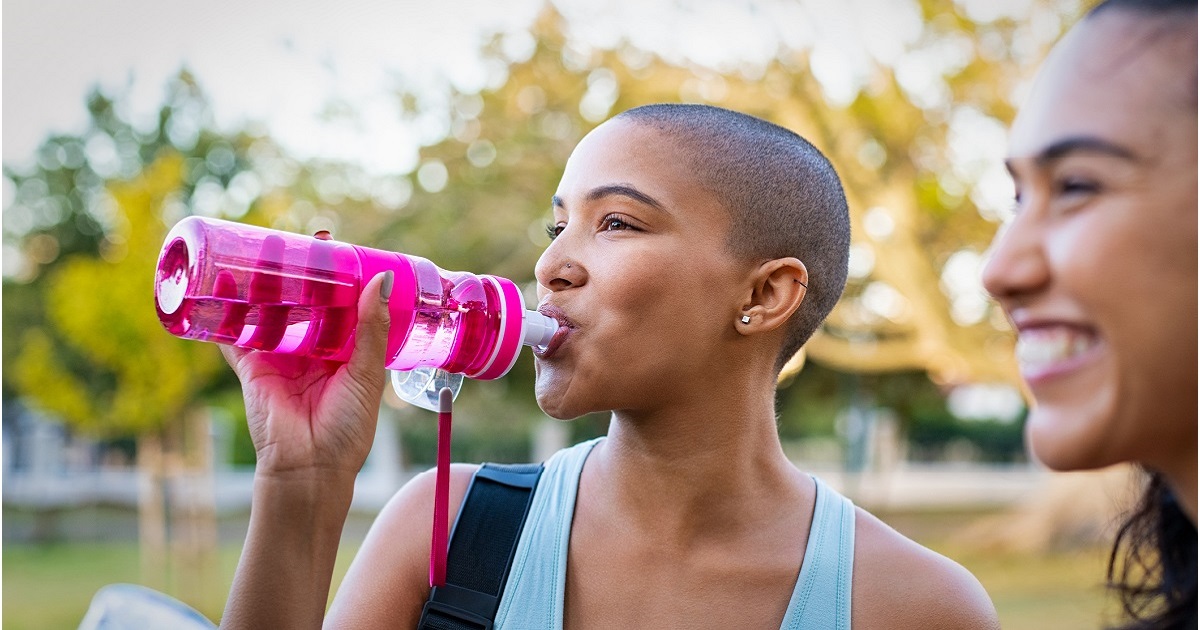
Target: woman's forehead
{"x":624,"y":153}
{"x":623,"y":146}
{"x":1109,"y":78}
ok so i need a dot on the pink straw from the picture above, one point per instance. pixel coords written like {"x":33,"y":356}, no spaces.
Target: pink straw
{"x":441,"y":496}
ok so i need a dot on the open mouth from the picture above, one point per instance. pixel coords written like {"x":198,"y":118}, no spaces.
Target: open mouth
{"x":1045,"y":351}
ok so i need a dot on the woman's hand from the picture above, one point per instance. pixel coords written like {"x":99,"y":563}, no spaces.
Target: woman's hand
{"x":316,"y":416}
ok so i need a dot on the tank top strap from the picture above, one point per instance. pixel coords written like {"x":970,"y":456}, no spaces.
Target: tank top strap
{"x":821,"y":599}
{"x":533,"y":597}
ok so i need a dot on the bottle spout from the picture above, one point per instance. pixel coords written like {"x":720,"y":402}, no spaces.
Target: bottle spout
{"x":538,"y":329}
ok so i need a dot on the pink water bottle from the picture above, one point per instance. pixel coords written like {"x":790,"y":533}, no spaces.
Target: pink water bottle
{"x":293,"y":294}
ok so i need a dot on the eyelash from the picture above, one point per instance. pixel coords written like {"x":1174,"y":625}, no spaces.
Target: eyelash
{"x":1064,"y":186}
{"x":606,"y":225}
{"x":1071,"y":185}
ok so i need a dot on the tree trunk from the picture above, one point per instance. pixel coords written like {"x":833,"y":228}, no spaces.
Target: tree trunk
{"x":152,"y":523}
{"x":194,"y":522}
{"x":177,"y":529}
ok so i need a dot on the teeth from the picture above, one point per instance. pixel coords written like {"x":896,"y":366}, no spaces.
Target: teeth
{"x":1043,"y":347}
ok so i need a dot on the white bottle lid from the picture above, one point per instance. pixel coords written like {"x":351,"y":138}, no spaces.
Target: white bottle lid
{"x":538,"y":329}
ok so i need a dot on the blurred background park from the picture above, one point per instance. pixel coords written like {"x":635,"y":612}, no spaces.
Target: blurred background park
{"x":440,"y":130}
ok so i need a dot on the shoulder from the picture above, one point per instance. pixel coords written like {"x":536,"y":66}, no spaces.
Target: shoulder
{"x":410,"y":506}
{"x":388,"y":581}
{"x":900,"y":584}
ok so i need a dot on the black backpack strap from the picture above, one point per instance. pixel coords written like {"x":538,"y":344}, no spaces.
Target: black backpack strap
{"x":482,"y":546}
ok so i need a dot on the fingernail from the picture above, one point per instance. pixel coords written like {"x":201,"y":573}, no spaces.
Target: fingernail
{"x":385,"y":289}
{"x":323,"y":235}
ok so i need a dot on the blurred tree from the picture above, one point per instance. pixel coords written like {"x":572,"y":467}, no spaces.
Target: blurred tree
{"x":486,"y":176}
{"x":82,"y":341}
{"x":124,"y":376}
{"x":68,"y":209}
{"x":82,"y":234}
{"x":920,"y":220}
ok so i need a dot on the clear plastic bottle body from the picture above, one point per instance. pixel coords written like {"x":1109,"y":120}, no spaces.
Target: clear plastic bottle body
{"x":236,"y":284}
{"x":293,"y":294}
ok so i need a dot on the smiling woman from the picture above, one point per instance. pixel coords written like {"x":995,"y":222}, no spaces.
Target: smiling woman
{"x":1097,"y":272}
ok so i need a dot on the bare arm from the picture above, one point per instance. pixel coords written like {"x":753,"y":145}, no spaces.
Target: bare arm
{"x":283,"y":576}
{"x":388,"y":582}
{"x":312,"y":423}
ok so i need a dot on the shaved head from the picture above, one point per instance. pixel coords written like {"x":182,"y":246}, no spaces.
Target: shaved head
{"x":783,"y":196}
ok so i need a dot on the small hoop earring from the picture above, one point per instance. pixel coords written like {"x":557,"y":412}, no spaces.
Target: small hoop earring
{"x":745,"y":319}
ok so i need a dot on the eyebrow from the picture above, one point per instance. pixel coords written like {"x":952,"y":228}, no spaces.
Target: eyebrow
{"x":1079,"y":144}
{"x":616,"y":190}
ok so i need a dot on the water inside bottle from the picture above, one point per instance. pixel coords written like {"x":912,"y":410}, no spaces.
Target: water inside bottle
{"x":284,"y":327}
{"x":269,"y":311}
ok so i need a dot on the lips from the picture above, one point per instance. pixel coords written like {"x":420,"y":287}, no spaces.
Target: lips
{"x":565,"y":326}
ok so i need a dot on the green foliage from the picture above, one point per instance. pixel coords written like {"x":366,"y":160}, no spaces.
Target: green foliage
{"x":83,"y":222}
{"x":474,"y":442}
{"x":991,"y":441}
{"x":88,"y":345}
{"x":809,"y":404}
{"x":131,"y":378}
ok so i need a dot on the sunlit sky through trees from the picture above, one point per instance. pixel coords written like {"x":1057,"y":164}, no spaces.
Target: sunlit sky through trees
{"x":321,"y":77}
{"x":329,"y":82}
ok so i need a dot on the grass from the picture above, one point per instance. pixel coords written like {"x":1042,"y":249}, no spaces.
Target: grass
{"x":1058,"y":591}
{"x":47,"y":587}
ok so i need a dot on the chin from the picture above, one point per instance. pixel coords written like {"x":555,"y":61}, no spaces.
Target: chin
{"x":565,"y":392}
{"x":554,"y":408}
{"x":552,"y":397}
{"x":1066,"y":439}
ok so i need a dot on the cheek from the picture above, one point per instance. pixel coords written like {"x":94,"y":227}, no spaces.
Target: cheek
{"x":659,"y":318}
{"x":1102,"y":262}
{"x":639,"y":280}
{"x":677,"y":296}
{"x":1131,"y":281}
{"x":1126,"y":269}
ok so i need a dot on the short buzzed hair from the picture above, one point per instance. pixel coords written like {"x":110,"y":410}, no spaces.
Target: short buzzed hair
{"x":783,"y":196}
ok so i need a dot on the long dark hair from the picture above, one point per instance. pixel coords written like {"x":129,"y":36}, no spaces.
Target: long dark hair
{"x":1152,"y":567}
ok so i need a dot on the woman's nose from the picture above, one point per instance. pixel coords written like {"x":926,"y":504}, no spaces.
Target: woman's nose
{"x":1017,"y":266}
{"x":556,"y":271}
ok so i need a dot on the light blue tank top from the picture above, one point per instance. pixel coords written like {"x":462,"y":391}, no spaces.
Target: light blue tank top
{"x":533,"y":598}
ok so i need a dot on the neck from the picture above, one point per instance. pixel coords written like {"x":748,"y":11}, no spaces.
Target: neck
{"x":1182,"y":480}
{"x":1178,"y":465}
{"x":717,"y":455}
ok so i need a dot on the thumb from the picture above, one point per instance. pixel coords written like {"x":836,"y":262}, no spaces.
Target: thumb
{"x":233,"y":356}
{"x":371,"y":335}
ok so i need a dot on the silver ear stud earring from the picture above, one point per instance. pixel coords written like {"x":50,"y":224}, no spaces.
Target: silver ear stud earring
{"x":745,"y":319}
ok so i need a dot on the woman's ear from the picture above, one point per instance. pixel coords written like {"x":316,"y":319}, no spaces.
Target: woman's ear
{"x":777,"y":290}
